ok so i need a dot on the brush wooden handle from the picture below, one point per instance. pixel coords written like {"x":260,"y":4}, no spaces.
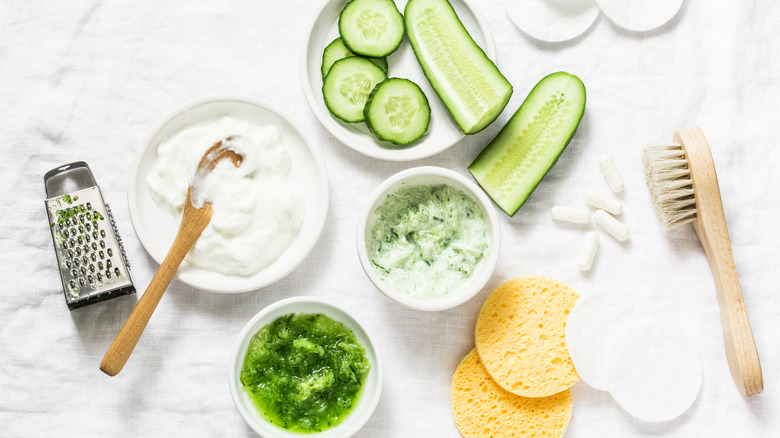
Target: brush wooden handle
{"x":710,"y":225}
{"x":193,"y":223}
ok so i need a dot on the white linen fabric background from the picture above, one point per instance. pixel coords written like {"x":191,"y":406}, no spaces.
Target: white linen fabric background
{"x":87,"y":80}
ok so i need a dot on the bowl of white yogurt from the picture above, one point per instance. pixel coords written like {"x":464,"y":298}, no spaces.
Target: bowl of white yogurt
{"x":267,"y":215}
{"x":428,"y":238}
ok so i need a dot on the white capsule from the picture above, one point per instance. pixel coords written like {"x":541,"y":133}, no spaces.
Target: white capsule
{"x":611,"y":174}
{"x":603,"y":201}
{"x":574,"y":215}
{"x":588,"y":251}
{"x":611,"y":225}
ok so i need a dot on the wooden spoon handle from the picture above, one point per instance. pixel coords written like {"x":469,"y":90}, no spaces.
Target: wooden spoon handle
{"x":192,"y":225}
{"x":710,"y":225}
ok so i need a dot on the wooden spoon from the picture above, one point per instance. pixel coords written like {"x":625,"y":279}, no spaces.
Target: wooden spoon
{"x":193,"y":222}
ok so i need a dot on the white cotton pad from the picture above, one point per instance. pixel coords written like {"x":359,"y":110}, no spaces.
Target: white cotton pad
{"x":592,"y":326}
{"x":654,"y":371}
{"x":552,"y":20}
{"x":639,"y":15}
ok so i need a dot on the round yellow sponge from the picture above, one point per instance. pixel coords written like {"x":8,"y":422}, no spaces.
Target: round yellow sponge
{"x":521,"y":336}
{"x":482,"y":409}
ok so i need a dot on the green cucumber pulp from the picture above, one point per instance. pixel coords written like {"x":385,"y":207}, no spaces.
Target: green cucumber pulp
{"x":336,"y":50}
{"x":467,"y":81}
{"x":304,"y":372}
{"x":397,"y":111}
{"x":347,"y":86}
{"x":372,"y":28}
{"x":513,"y":164}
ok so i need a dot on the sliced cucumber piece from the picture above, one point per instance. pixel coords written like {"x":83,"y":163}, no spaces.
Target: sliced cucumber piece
{"x":337,"y":50}
{"x":372,"y":28}
{"x":380,"y":62}
{"x":466,"y":80}
{"x":347,"y":86}
{"x":397,"y":111}
{"x":514,"y":163}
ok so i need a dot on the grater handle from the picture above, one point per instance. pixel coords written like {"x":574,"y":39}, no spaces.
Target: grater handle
{"x":193,"y":223}
{"x":68,"y":178}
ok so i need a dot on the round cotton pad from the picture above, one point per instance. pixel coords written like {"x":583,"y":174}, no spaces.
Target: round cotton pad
{"x":482,"y":409}
{"x":520,"y":336}
{"x":552,"y":20}
{"x":594,"y":323}
{"x":654,"y":371}
{"x":639,"y":15}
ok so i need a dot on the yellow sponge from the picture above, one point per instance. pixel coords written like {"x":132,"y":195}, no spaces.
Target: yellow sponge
{"x":521,"y":336}
{"x":482,"y":409}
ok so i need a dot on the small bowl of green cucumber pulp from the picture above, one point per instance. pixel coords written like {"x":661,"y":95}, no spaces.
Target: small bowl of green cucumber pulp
{"x":401,"y":85}
{"x":304,"y":367}
{"x":429,"y":238}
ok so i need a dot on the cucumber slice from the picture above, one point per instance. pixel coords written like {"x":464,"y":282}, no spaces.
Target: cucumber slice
{"x":337,"y":50}
{"x":397,"y":111}
{"x":372,"y":28}
{"x":466,"y":80}
{"x":347,"y":86}
{"x":514,"y":163}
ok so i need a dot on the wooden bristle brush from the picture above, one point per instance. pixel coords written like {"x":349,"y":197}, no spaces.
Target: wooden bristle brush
{"x":684,"y":188}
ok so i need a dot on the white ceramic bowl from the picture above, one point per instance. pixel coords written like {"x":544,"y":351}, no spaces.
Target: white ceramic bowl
{"x":156,"y":228}
{"x":368,"y":398}
{"x":442,"y":132}
{"x":430,"y":175}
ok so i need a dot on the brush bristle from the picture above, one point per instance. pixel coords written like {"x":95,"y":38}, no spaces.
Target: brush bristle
{"x":669,"y":181}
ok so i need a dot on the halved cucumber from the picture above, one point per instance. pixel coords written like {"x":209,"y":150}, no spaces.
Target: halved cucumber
{"x":466,"y":80}
{"x":514,"y":163}
{"x":336,"y":50}
{"x":372,"y":28}
{"x":347,"y":86}
{"x":397,"y":111}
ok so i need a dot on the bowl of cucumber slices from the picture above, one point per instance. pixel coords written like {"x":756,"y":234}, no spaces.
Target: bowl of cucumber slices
{"x":368,"y":73}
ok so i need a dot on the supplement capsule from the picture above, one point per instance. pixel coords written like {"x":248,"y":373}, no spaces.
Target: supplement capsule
{"x":611,"y":225}
{"x":570,"y":214}
{"x":588,"y":251}
{"x":611,"y":174}
{"x":603,"y":201}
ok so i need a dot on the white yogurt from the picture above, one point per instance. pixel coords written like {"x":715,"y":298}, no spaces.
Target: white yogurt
{"x":257,"y":210}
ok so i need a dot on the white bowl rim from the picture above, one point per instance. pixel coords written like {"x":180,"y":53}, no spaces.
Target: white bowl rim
{"x":319,"y":162}
{"x":246,"y":331}
{"x":331,"y":125}
{"x":475,"y":193}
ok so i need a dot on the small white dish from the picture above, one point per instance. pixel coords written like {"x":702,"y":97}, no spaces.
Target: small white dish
{"x":369,"y":398}
{"x":442,"y":132}
{"x":156,"y":228}
{"x":430,"y":175}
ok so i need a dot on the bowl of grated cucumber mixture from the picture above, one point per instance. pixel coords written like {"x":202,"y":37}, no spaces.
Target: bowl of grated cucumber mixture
{"x":429,"y":238}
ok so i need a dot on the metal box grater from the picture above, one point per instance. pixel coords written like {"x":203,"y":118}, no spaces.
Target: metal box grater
{"x":93,"y":264}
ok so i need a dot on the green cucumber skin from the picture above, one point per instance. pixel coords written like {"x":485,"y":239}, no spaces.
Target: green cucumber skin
{"x":481,"y":166}
{"x":447,"y":100}
{"x":381,"y":63}
{"x":375,"y":131}
{"x":357,"y":50}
